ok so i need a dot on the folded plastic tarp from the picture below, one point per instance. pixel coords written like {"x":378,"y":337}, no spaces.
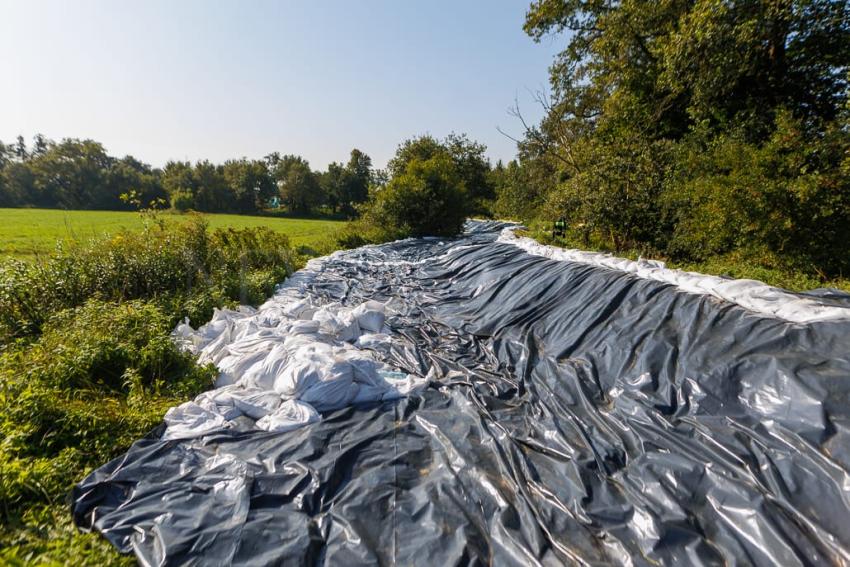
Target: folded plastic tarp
{"x":501,"y":404}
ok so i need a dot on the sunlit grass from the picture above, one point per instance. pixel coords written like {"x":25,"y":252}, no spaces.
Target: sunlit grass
{"x":30,"y":232}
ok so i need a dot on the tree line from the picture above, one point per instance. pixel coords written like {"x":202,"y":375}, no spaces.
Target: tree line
{"x":693,"y":130}
{"x":80,"y":174}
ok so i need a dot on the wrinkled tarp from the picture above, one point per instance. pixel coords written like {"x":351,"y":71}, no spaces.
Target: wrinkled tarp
{"x":573,"y":414}
{"x":282,"y":364}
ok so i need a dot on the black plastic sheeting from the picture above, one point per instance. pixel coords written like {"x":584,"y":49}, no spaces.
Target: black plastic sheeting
{"x":575,"y":415}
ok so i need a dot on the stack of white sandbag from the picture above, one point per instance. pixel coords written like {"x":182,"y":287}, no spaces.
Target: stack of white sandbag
{"x":282,"y":364}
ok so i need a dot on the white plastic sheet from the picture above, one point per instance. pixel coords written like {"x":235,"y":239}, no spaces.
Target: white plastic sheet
{"x":282,"y":364}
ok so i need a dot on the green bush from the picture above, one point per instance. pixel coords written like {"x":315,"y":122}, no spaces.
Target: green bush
{"x":367,"y":230}
{"x":428,"y":198}
{"x":786,"y":198}
{"x":182,"y":201}
{"x":98,"y":377}
{"x":87,"y":364}
{"x":163,"y":261}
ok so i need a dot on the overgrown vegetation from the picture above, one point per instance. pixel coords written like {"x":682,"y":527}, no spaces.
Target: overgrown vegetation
{"x":707,"y":132}
{"x":433,"y":187}
{"x":87,"y":364}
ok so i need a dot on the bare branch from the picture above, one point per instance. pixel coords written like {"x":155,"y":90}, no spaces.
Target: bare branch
{"x":534,"y":135}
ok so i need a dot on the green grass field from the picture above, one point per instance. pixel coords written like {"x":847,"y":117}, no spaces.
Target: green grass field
{"x":25,"y":233}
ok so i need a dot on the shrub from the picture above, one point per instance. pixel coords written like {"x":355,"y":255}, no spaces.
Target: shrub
{"x":182,"y":201}
{"x":97,"y":344}
{"x":787,"y":198}
{"x":167,"y":262}
{"x":427,"y":199}
{"x":97,"y":378}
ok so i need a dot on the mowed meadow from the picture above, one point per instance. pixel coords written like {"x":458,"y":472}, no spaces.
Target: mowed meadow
{"x":27,"y":233}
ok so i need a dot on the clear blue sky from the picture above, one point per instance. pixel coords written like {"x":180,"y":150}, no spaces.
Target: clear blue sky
{"x":163,"y":79}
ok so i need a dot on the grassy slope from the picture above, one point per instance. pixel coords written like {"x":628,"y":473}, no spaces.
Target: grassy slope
{"x":28,"y":232}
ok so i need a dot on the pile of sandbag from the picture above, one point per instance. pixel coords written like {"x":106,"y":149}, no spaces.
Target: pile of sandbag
{"x":282,"y":364}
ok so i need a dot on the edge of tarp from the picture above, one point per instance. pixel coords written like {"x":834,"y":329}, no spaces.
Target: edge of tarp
{"x":752,"y":295}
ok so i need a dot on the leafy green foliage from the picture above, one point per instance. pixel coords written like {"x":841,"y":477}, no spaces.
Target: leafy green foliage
{"x":79,"y":174}
{"x":175,"y":261}
{"x":87,"y":364}
{"x":347,"y":186}
{"x":426,"y":194}
{"x":182,"y":200}
{"x":428,"y":198}
{"x":695,"y":130}
{"x":788,"y":196}
{"x":72,"y":174}
{"x":471,"y":164}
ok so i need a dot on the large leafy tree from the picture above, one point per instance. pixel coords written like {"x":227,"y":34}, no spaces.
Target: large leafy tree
{"x":468,"y":156}
{"x":663,"y":67}
{"x":179,"y":183}
{"x":131,"y":175}
{"x":427,"y":198}
{"x":299,"y":186}
{"x":74,"y":174}
{"x":346,"y":186}
{"x":654,"y":106}
{"x":358,"y":179}
{"x":212,"y":193}
{"x":17,"y":187}
{"x":251,"y":185}
{"x":334,"y":182}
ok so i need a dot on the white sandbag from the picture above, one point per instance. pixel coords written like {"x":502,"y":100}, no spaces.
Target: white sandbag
{"x":364,"y":368}
{"x":186,"y":337}
{"x":374,"y":341}
{"x":338,"y":322}
{"x":370,"y":316}
{"x":245,"y":330}
{"x":331,"y":394}
{"x":304,"y":328}
{"x":234,"y":366}
{"x":264,"y":374}
{"x":220,"y":402}
{"x":316,"y":377}
{"x":257,"y":404}
{"x":305,"y":367}
{"x":191,"y":420}
{"x":311,"y":343}
{"x":295,"y":309}
{"x":290,"y":415}
{"x":216,"y":349}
